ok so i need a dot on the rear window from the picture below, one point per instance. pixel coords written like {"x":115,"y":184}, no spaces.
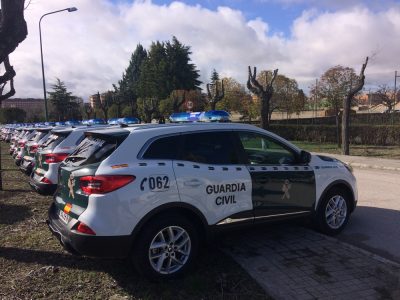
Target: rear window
{"x":91,"y":150}
{"x":38,"y":136}
{"x":53,"y":141}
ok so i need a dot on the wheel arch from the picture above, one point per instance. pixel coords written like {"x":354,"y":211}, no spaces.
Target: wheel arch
{"x":187,"y":210}
{"x":338,"y":184}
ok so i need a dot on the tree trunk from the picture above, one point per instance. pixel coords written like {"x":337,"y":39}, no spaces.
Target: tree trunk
{"x":213,"y":105}
{"x":346,"y":108}
{"x":1,"y":180}
{"x":345,"y":127}
{"x":264,"y":113}
{"x":338,"y":131}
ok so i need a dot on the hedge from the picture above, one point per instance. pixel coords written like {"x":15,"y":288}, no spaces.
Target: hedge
{"x":373,"y":118}
{"x":381,"y":135}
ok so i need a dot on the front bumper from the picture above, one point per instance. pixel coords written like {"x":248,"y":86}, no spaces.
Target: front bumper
{"x":83,"y":244}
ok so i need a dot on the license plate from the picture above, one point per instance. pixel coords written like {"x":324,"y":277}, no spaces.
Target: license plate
{"x":63,"y":217}
{"x":37,"y":177}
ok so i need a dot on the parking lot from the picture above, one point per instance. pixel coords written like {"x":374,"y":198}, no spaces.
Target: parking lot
{"x":295,"y":262}
{"x":287,"y":261}
{"x":33,"y":264}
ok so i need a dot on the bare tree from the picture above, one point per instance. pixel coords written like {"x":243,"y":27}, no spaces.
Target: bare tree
{"x":13,"y":31}
{"x":265,"y":94}
{"x":178,"y":97}
{"x":87,"y":110}
{"x":332,"y":88}
{"x":386,"y":96}
{"x":359,"y":84}
{"x":104,"y":102}
{"x":215,"y":92}
{"x":150,"y":107}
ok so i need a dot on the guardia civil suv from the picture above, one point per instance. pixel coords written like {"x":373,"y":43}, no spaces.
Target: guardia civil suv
{"x":153,"y":193}
{"x":60,"y":144}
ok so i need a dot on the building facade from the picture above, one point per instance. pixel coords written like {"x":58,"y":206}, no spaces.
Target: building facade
{"x":27,"y":104}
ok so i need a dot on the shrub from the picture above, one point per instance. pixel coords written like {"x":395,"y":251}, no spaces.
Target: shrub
{"x":382,"y":135}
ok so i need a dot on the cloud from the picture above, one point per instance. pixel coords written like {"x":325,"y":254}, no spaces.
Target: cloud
{"x":89,"y":49}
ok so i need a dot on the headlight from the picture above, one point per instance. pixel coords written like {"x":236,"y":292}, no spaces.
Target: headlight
{"x":348,"y":167}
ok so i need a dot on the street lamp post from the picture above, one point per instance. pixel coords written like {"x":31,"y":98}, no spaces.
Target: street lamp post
{"x":69,"y":9}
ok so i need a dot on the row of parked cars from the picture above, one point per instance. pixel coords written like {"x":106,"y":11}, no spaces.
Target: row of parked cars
{"x":154,"y":193}
{"x":39,"y":148}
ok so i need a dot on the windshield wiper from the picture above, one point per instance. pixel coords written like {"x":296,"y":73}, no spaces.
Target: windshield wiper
{"x":74,"y":157}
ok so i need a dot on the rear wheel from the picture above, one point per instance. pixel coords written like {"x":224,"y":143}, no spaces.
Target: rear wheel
{"x":333,"y":212}
{"x":166,"y":248}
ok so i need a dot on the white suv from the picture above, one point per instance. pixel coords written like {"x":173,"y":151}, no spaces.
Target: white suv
{"x":155,"y":192}
{"x":60,"y":144}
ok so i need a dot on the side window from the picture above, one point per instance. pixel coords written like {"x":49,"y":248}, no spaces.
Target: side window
{"x":163,"y":148}
{"x":210,"y":148}
{"x":263,"y":150}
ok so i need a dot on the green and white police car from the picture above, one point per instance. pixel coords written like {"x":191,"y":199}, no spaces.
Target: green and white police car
{"x":153,"y":193}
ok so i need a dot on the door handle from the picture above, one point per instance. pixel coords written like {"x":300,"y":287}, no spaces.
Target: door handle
{"x":192,"y":183}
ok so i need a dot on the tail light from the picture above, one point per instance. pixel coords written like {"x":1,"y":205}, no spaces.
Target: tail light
{"x":46,"y":180}
{"x":33,"y":148}
{"x":83,"y":228}
{"x":21,"y":144}
{"x":103,"y":184}
{"x":55,"y":157}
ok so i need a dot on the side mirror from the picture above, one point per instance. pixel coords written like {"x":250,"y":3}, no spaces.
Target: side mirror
{"x":305,"y":157}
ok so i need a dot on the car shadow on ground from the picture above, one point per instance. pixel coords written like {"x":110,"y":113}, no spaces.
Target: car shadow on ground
{"x":213,"y":272}
{"x":11,"y":213}
{"x":376,"y":230}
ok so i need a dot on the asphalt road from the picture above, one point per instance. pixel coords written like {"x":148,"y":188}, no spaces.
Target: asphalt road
{"x":375,"y":224}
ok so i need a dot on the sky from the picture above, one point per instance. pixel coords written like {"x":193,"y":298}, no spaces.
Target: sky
{"x":89,"y":49}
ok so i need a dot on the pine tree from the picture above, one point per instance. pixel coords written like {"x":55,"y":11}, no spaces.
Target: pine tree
{"x":214,"y":76}
{"x":63,"y":102}
{"x":182,"y":73}
{"x":128,"y":85}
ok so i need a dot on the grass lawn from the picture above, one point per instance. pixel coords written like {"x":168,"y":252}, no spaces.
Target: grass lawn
{"x":33,"y":265}
{"x":392,"y":152}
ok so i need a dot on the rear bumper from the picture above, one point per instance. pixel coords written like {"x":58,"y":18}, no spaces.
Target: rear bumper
{"x":26,"y":169}
{"x":17,"y":161}
{"x":83,"y":244}
{"x":42,"y":188}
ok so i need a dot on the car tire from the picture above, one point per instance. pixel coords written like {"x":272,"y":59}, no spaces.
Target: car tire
{"x":334,"y":211}
{"x":158,"y":260}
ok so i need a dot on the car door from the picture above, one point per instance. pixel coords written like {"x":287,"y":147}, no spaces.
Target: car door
{"x":210,"y":177}
{"x":281,"y":186}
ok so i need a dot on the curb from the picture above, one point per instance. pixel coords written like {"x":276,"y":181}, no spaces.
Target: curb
{"x":367,"y":166}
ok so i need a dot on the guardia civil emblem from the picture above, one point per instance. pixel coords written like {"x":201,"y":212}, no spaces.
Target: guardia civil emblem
{"x":71,"y":184}
{"x":286,"y":188}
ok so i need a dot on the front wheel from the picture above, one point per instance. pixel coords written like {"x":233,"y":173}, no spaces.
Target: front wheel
{"x":333,"y":212}
{"x":166,"y":247}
